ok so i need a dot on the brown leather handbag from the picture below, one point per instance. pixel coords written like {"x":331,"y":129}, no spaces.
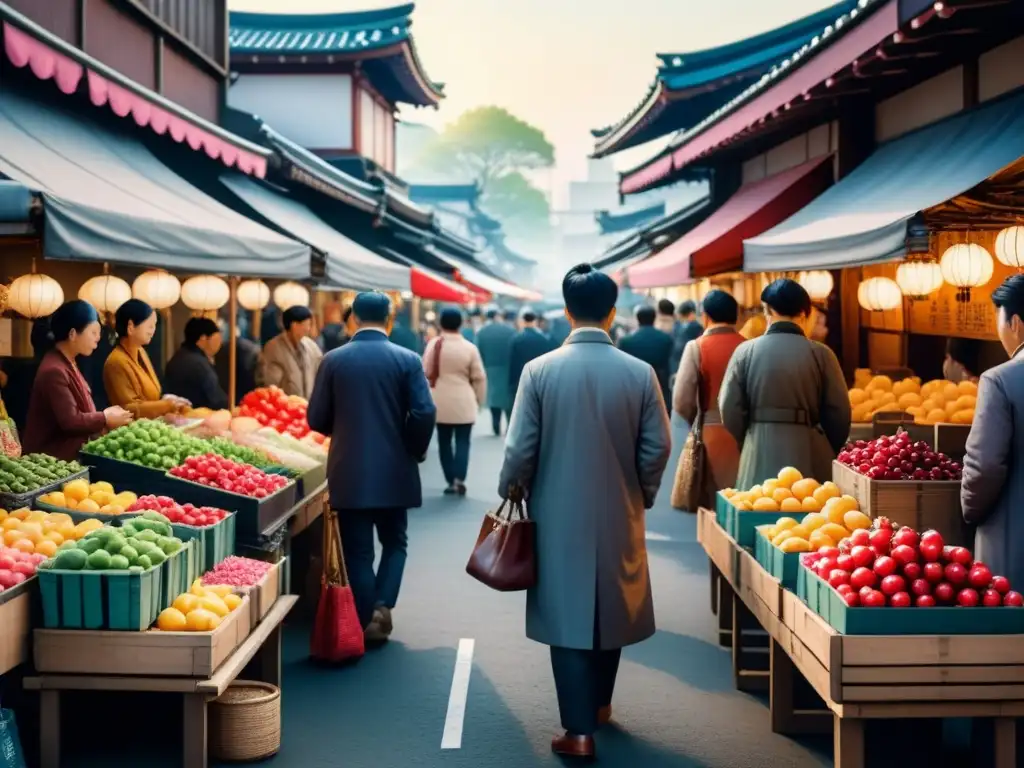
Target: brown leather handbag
{"x":435,"y":363}
{"x":504,"y":557}
{"x":694,"y":484}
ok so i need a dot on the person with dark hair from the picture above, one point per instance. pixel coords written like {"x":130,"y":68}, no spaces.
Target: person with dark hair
{"x":61,"y":414}
{"x":190,"y":372}
{"x":666,"y":320}
{"x":470,"y":328}
{"x":511,"y":317}
{"x":291,"y":359}
{"x":528,"y":344}
{"x":128,"y":375}
{"x":697,"y":385}
{"x":248,"y":363}
{"x":403,"y":336}
{"x":587,"y":445}
{"x":494,"y":342}
{"x":687,"y":329}
{"x":784,"y":397}
{"x":333,"y":334}
{"x":372,"y":398}
{"x":459,"y":386}
{"x":963,"y":360}
{"x":652,"y":346}
{"x":992,"y":488}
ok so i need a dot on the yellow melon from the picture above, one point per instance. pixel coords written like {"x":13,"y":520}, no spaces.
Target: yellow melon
{"x":818,"y":540}
{"x":785,"y":523}
{"x":909,"y":400}
{"x":967,"y":388}
{"x":858,"y":396}
{"x":855,"y":519}
{"x":835,"y":532}
{"x":790,"y":504}
{"x":793,"y":544}
{"x":966,"y":416}
{"x":813,"y":521}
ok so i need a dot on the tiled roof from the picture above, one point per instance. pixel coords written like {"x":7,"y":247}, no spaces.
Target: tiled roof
{"x":623,"y":221}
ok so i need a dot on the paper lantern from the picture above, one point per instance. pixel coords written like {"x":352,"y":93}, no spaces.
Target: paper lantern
{"x":35,"y":295}
{"x":105,"y":292}
{"x":1010,"y":247}
{"x":205,"y":293}
{"x":917,"y":279}
{"x":966,"y":266}
{"x":818,"y":284}
{"x":253,"y":295}
{"x":288,"y":295}
{"x":878,"y":294}
{"x":157,"y":288}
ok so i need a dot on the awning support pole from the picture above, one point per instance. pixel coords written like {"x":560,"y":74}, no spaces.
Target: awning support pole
{"x":233,"y":338}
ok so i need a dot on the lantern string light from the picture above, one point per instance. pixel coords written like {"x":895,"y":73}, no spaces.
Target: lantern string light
{"x":818,"y":284}
{"x":205,"y":293}
{"x":918,"y":279}
{"x":34,"y":295}
{"x":159,"y":289}
{"x":879,"y":294}
{"x":253,"y":295}
{"x":966,"y":266}
{"x":1010,"y":247}
{"x":290,"y":294}
{"x":105,"y":292}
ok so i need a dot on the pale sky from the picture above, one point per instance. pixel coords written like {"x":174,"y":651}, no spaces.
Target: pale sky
{"x":564,"y":65}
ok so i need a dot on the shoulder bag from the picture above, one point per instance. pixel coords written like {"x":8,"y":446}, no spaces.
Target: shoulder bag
{"x":504,"y":557}
{"x":435,"y":363}
{"x":693,"y":486}
{"x":337,"y":631}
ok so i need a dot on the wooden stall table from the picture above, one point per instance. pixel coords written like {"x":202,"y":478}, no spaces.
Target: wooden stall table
{"x":265,"y":641}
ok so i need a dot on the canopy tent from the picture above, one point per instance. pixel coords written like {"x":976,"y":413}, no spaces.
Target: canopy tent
{"x":349,"y":264}
{"x":427,"y":284}
{"x":716,"y":244}
{"x":106,"y":197}
{"x":863,"y":218}
{"x":478,"y":278}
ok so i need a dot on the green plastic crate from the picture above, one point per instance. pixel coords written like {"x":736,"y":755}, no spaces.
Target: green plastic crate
{"x":784,"y":566}
{"x":113,"y":600}
{"x":741,"y":524}
{"x":724,"y":512}
{"x":827,"y":603}
{"x":213,"y":543}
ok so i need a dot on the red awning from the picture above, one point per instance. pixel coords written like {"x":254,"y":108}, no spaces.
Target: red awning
{"x":716,"y":244}
{"x":125,"y":98}
{"x":428,"y":285}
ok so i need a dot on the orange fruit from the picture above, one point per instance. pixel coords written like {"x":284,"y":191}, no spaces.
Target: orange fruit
{"x":46,"y":547}
{"x":24,"y":545}
{"x":781,"y":494}
{"x":172,"y":620}
{"x":11,"y":536}
{"x":201,"y":620}
{"x":55,"y":536}
{"x":788,"y":476}
{"x":765,"y":504}
{"x":21,"y":514}
{"x":10,"y":524}
{"x":186,"y":603}
{"x":811,"y":504}
{"x":804,"y":487}
{"x":214,"y":604}
{"x":232,"y":601}
{"x":791,"y":504}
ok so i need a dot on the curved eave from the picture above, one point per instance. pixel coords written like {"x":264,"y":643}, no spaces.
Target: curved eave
{"x":613,"y":139}
{"x":398,"y":74}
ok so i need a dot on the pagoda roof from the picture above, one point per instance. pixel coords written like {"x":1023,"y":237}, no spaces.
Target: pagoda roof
{"x":690,"y":86}
{"x":430,"y":194}
{"x":380,"y":40}
{"x":623,"y":221}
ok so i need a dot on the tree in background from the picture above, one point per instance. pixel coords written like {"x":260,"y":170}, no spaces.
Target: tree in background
{"x":494,"y":147}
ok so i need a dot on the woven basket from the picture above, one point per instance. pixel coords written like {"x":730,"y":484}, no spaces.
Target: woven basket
{"x":245,"y":722}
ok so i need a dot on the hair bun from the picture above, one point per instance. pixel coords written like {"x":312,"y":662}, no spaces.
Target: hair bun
{"x":585,"y":269}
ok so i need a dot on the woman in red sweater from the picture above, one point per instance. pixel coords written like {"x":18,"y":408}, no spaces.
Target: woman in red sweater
{"x":61,"y":414}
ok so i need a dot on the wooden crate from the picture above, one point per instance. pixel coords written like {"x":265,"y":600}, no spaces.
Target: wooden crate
{"x":183,"y":654}
{"x":16,"y":624}
{"x":265,"y":592}
{"x":951,"y":439}
{"x":922,"y":505}
{"x":720,"y":548}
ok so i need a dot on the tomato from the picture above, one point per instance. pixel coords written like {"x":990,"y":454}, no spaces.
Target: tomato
{"x":862,"y":556}
{"x":967,"y":598}
{"x":925,"y":601}
{"x":900,"y":600}
{"x":991,"y":599}
{"x":956,"y":574}
{"x":892,"y":584}
{"x":874,"y":599}
{"x":863,"y":578}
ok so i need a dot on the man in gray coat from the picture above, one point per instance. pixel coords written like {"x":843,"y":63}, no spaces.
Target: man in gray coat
{"x":494,"y":342}
{"x":587,"y":445}
{"x":992,"y":491}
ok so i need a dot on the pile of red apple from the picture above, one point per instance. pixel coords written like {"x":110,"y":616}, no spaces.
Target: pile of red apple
{"x":898,"y":458}
{"x":180,"y":514}
{"x":17,"y":566}
{"x":882,"y":566}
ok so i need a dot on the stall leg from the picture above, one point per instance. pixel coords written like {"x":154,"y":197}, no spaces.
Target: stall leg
{"x":848,"y":743}
{"x":786,"y":718}
{"x":1005,"y":742}
{"x":715,"y":577}
{"x":195,"y":731}
{"x":49,"y":729}
{"x":746,"y":634}
{"x":726,"y":598}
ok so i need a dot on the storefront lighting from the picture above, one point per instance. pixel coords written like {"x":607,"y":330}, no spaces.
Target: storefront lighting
{"x":105,"y":292}
{"x":918,"y":279}
{"x":157,"y":288}
{"x":966,"y":266}
{"x":288,"y":295}
{"x":205,"y":293}
{"x":818,"y":283}
{"x":879,"y":294}
{"x":253,"y":295}
{"x":1010,"y":247}
{"x":35,"y":295}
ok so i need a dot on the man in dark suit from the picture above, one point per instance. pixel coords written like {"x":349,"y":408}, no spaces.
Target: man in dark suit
{"x":373,"y":398}
{"x":404,"y":337}
{"x":525,"y":346}
{"x":190,"y":373}
{"x":652,"y":346}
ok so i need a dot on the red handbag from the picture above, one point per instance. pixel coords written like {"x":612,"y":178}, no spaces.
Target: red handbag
{"x":337,"y":631}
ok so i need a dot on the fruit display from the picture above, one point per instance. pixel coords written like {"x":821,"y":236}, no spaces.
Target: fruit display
{"x":97,"y":498}
{"x":898,"y":458}
{"x":271,"y":407}
{"x":305,"y":454}
{"x":41,"y":533}
{"x":141,"y":543}
{"x":231,"y":476}
{"x":201,"y":609}
{"x":33,"y":471}
{"x":836,"y":521}
{"x":936,"y":402}
{"x":235,"y":571}
{"x":790,"y":491}
{"x":179,"y":514}
{"x":881,"y":566}
{"x":16,"y":566}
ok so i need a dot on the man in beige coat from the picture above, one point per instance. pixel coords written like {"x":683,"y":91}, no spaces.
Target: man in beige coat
{"x":291,"y":359}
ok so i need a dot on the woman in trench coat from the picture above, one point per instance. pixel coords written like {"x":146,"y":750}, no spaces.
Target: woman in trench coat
{"x":784,"y":397}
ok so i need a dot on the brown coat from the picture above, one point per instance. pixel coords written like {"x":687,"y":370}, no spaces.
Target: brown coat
{"x":461,"y":388}
{"x":286,"y":367}
{"x":131,"y":383}
{"x":61,"y":414}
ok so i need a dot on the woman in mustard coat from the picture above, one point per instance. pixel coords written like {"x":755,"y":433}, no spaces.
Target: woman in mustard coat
{"x":128,"y":375}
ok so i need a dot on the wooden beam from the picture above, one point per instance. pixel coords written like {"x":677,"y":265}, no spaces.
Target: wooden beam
{"x":80,"y":22}
{"x":158,"y":64}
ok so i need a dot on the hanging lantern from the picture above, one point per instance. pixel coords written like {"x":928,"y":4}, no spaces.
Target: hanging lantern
{"x":105,"y":292}
{"x":1010,"y":247}
{"x":35,"y":295}
{"x":917,"y":279}
{"x":157,"y":288}
{"x":288,"y":295}
{"x":966,"y":266}
{"x":253,"y":295}
{"x":818,"y":284}
{"x":205,"y":293}
{"x":878,"y":294}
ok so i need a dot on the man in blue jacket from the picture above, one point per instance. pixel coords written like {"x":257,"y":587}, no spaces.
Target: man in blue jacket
{"x":525,"y":346}
{"x":372,"y":398}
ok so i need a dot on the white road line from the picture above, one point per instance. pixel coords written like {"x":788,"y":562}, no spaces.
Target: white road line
{"x":452,"y":737}
{"x":652,"y":536}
